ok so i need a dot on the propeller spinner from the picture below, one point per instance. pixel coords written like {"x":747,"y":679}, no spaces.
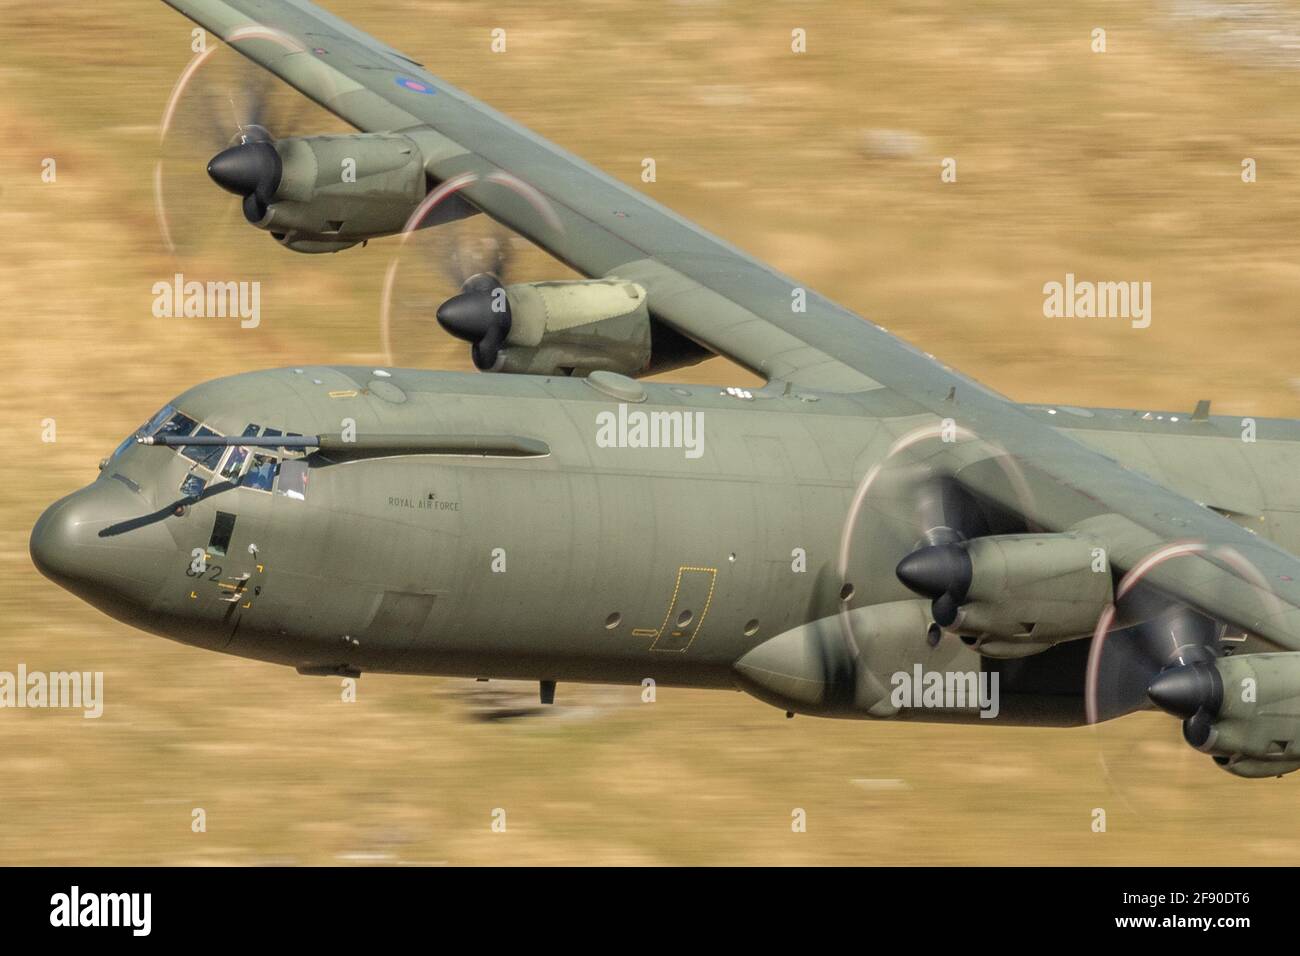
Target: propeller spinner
{"x":252,"y":169}
{"x":941,"y":568}
{"x":479,"y":314}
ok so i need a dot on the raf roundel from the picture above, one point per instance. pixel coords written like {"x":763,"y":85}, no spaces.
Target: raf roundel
{"x":415,"y":86}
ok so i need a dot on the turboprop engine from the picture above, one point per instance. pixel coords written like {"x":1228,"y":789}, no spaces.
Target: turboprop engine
{"x":552,"y":328}
{"x":325,"y":193}
{"x":1013,"y":595}
{"x":1244,"y":711}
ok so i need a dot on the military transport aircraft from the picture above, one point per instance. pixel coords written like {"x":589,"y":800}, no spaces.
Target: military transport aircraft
{"x":870,"y":534}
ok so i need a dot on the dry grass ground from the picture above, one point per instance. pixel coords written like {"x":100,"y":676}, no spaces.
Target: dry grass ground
{"x":1123,"y":165}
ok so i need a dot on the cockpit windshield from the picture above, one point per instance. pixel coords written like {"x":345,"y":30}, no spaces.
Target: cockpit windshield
{"x":167,"y":421}
{"x":153,"y":424}
{"x":205,"y":455}
{"x":285,"y":473}
{"x":177,"y":423}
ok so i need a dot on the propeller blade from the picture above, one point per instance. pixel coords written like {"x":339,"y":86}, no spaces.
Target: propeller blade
{"x":1135,"y":660}
{"x":946,"y":512}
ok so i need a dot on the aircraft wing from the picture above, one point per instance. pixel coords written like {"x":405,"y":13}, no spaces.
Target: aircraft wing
{"x":734,"y":305}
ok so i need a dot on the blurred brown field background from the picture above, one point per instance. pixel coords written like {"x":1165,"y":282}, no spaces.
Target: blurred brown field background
{"x":1117,"y":166}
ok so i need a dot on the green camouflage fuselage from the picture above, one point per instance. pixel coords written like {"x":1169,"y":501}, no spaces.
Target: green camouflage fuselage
{"x":590,"y":563}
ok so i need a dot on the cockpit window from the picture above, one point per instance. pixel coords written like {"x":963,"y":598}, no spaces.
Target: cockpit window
{"x":177,"y":424}
{"x":261,"y":473}
{"x":192,"y":486}
{"x":205,"y":455}
{"x":163,"y":415}
{"x":153,"y":424}
{"x":234,"y":462}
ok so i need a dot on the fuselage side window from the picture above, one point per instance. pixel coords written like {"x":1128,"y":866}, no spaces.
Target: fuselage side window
{"x":222,"y":528}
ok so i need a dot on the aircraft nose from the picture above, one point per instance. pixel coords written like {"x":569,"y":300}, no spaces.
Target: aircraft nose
{"x":97,"y":544}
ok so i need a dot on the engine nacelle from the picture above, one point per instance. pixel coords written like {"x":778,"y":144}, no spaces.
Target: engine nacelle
{"x":1016,"y":594}
{"x":553,"y":328}
{"x":573,"y":328}
{"x":1244,"y":711}
{"x":1033,"y":588}
{"x":336,"y":191}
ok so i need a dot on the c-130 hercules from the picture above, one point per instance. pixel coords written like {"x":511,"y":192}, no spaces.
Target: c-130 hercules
{"x":870,"y":535}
